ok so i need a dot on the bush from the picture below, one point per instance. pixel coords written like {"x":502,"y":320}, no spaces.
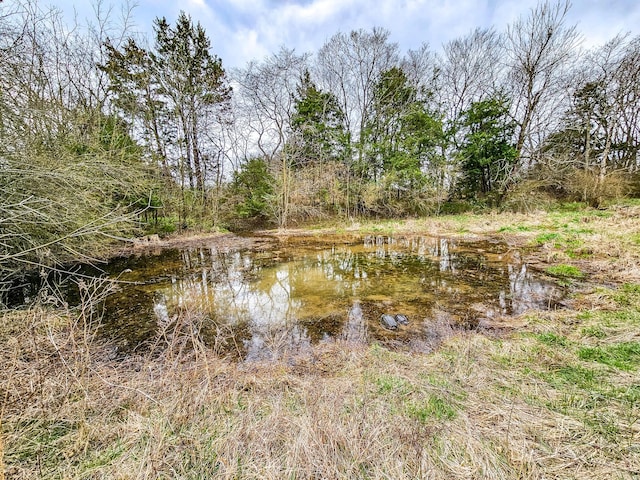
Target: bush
{"x":528,"y":196}
{"x":588,"y":186}
{"x":457,"y":207}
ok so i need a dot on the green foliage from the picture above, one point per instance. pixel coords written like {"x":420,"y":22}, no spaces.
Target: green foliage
{"x":552,"y":339}
{"x":434,"y":408}
{"x":403,"y":135}
{"x":546,"y":237}
{"x":628,"y":295}
{"x":456,"y":207}
{"x":164,"y":225}
{"x":253,"y":184}
{"x":319,"y":123}
{"x":594,"y":332}
{"x":388,"y":384}
{"x":487,"y":151}
{"x":173,"y":91}
{"x":402,"y":152}
{"x":572,"y":375}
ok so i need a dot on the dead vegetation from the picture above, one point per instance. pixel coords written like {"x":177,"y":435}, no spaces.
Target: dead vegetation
{"x":556,"y":398}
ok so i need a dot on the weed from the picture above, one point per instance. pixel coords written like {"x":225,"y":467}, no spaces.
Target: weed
{"x":571,"y":375}
{"x":627,"y":295}
{"x":593,"y":332}
{"x":570,"y":207}
{"x":603,"y":425}
{"x":546,"y":238}
{"x":620,"y":319}
{"x":388,"y":384}
{"x":553,"y":339}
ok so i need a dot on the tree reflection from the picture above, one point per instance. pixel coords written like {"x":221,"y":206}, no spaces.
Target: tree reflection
{"x":282,"y":301}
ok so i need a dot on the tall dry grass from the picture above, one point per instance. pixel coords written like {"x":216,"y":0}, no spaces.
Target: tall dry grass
{"x":524,"y":402}
{"x":471,"y":410}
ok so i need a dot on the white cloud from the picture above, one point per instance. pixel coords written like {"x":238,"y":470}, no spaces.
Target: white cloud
{"x":242,"y":30}
{"x":246,"y":46}
{"x":317,"y":12}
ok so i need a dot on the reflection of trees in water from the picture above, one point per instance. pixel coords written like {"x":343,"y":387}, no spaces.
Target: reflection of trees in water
{"x":225,"y":286}
{"x":285,"y":300}
{"x":355,"y":329}
{"x":526,"y":292}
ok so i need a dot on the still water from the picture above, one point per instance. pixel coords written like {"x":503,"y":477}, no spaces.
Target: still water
{"x":279,"y":297}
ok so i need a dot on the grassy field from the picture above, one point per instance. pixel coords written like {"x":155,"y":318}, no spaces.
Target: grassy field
{"x":553,"y":395}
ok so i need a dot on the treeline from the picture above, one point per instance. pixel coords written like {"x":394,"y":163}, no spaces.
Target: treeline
{"x":506,"y":119}
{"x":103,"y":132}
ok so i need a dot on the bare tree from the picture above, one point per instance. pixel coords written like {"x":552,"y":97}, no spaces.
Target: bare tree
{"x":69,"y":174}
{"x":616,"y":67}
{"x":266,"y":101}
{"x":539,"y":51}
{"x":470,"y":70}
{"x":349,"y":66}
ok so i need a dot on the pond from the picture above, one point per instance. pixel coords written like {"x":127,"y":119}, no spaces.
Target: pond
{"x":278,"y":297}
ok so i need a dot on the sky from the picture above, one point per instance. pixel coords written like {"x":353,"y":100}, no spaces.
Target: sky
{"x":243,"y":30}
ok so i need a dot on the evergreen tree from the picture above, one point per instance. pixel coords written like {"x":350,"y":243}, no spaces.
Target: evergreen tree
{"x":403,"y":135}
{"x":176,"y":92}
{"x":254,"y":185}
{"x":487,"y":151}
{"x":319,"y":124}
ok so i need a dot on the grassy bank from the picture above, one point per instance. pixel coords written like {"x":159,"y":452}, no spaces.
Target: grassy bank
{"x":548,"y":395}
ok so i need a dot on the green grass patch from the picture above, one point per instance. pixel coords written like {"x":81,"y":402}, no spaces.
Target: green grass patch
{"x":627,"y":295}
{"x":574,"y":375}
{"x":515,"y":228}
{"x":552,"y":339}
{"x":578,"y":231}
{"x":623,"y":356}
{"x":630,"y":395}
{"x":101,"y":458}
{"x":571,"y":207}
{"x":434,"y":407}
{"x":593,"y":331}
{"x":43,"y":440}
{"x":389,"y":384}
{"x":546,"y":238}
{"x":565,"y":271}
{"x":604,"y":425}
{"x":620,"y":318}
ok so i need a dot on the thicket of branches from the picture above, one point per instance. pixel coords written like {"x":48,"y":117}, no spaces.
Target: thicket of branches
{"x":71,"y":176}
{"x":97,"y":125}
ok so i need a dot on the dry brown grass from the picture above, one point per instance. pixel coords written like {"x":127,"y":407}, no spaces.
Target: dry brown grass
{"x":477,"y":408}
{"x":529,"y":404}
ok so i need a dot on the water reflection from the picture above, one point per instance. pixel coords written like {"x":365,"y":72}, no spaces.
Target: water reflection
{"x":281,"y":301}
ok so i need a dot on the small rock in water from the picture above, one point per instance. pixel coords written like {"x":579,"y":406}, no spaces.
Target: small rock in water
{"x":402,"y":319}
{"x":388,"y":322}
